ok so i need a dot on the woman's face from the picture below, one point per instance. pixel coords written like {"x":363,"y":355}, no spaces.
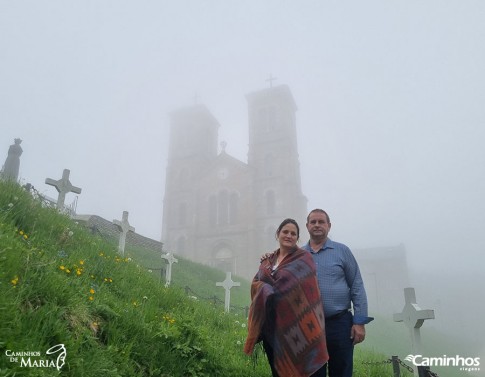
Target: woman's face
{"x":288,"y":236}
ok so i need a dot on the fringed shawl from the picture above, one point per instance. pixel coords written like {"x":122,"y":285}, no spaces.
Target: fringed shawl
{"x":296,"y":330}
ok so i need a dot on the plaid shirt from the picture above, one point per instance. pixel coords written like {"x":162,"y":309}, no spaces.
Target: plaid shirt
{"x":341,"y":285}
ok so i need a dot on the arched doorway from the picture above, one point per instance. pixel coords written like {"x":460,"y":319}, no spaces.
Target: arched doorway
{"x":223,"y":258}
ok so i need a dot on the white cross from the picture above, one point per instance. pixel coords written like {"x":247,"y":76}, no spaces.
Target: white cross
{"x":168,"y":273}
{"x":228,"y":284}
{"x":413,"y":317}
{"x":63,"y":186}
{"x":125,"y":227}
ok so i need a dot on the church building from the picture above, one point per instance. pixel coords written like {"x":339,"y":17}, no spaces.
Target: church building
{"x":221,"y":211}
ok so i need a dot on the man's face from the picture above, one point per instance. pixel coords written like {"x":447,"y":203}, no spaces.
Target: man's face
{"x":318,"y":226}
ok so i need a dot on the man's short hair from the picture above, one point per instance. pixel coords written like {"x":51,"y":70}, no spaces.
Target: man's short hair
{"x":318,"y":210}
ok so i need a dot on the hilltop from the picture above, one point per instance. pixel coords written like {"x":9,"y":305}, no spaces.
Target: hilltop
{"x":62,"y":285}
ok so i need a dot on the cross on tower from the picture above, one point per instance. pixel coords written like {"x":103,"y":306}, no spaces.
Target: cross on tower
{"x":413,"y":317}
{"x":125,"y":227}
{"x":271,"y":79}
{"x":168,"y":273}
{"x":223,"y":146}
{"x":63,"y":186}
{"x":227,"y":284}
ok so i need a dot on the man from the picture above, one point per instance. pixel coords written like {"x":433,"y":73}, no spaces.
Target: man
{"x":342,"y":288}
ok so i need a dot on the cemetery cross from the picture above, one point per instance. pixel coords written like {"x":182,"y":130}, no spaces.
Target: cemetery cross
{"x":63,"y":186}
{"x":413,"y":317}
{"x":228,"y":284}
{"x":125,"y":227}
{"x":168,"y":273}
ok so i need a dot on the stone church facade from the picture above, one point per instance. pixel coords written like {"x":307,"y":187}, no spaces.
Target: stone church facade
{"x":222,"y":211}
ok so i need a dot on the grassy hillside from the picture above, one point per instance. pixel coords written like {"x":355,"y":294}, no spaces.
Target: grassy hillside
{"x":61,"y":285}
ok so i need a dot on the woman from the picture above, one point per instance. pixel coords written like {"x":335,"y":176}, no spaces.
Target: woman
{"x":286,"y":311}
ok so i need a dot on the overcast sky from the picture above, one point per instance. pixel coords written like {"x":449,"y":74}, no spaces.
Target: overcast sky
{"x":390,"y":96}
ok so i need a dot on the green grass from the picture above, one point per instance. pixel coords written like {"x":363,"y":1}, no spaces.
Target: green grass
{"x":61,"y":284}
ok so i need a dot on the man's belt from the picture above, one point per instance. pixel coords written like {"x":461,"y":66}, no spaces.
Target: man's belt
{"x":337,"y":316}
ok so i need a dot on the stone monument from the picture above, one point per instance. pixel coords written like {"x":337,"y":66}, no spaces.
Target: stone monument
{"x":11,"y":167}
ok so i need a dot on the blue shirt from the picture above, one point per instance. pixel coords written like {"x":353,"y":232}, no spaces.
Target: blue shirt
{"x":341,"y":285}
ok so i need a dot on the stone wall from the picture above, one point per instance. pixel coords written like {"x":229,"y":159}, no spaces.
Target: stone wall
{"x":106,"y":228}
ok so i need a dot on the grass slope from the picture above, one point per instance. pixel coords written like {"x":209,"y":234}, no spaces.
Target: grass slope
{"x":60,"y":284}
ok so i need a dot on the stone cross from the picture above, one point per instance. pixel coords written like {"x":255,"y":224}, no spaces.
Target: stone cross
{"x":63,"y":186}
{"x":271,"y":79}
{"x":413,"y":317}
{"x":168,"y":273}
{"x":228,"y":284}
{"x":223,"y":146}
{"x":125,"y":227}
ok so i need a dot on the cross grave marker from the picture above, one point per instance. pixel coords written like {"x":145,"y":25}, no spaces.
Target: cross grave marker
{"x":168,"y":273}
{"x":125,"y":227}
{"x":63,"y":186}
{"x":227,"y":284}
{"x":413,"y":317}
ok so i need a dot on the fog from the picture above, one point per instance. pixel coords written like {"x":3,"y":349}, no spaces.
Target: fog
{"x":390,"y":117}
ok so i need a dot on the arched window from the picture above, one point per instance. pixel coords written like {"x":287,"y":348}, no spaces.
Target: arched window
{"x":233,"y":208}
{"x":270,"y":203}
{"x":267,"y":118}
{"x":224,"y":259}
{"x":182,"y":214}
{"x":268,"y":165}
{"x":181,"y":245}
{"x":212,"y":210}
{"x":223,"y":208}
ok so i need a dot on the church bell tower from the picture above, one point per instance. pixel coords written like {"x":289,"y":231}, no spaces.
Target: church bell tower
{"x":192,"y":146}
{"x":273,"y":157}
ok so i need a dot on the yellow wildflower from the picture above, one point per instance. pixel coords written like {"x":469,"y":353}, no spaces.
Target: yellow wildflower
{"x":62,"y":267}
{"x":92,"y":291}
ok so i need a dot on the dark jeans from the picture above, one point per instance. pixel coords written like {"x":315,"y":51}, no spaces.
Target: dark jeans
{"x":340,"y":348}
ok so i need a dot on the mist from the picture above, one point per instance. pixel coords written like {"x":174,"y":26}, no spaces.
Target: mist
{"x":390,"y":117}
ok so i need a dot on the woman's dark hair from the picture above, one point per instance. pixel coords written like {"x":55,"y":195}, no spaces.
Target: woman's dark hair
{"x":288,"y":221}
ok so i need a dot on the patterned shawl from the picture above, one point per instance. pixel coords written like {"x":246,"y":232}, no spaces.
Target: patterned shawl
{"x":286,"y":310}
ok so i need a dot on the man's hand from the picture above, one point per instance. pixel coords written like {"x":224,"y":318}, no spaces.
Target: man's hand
{"x":357,"y":333}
